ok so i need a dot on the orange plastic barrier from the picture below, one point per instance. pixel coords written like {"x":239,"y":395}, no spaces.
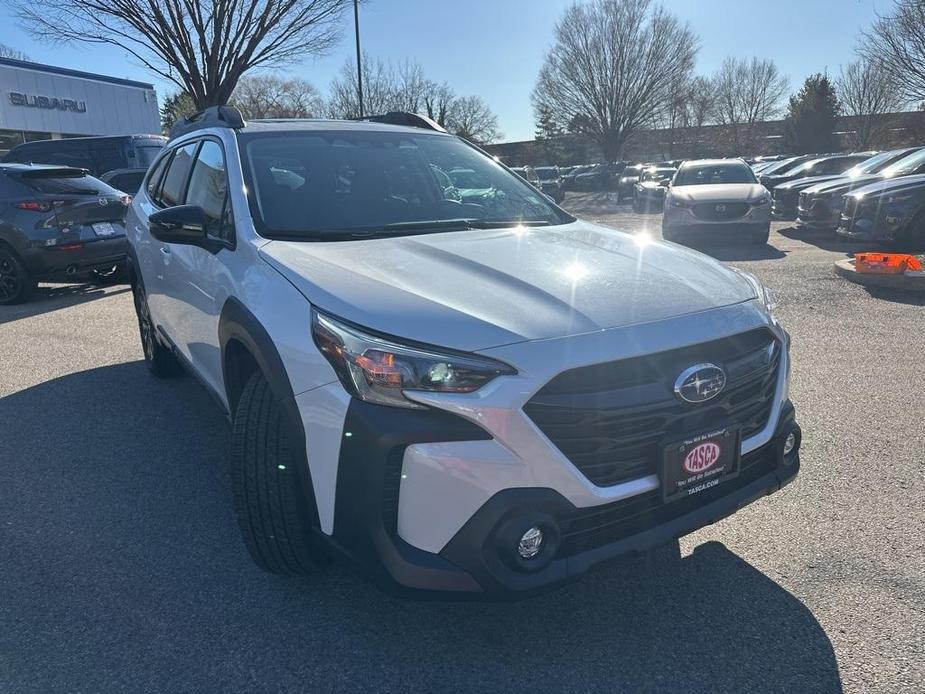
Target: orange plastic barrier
{"x":886,"y":263}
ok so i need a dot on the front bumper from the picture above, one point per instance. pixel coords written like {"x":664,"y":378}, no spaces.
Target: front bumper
{"x":474,"y":564}
{"x":818,"y":213}
{"x":417,"y":499}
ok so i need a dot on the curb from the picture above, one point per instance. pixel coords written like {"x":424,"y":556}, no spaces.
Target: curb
{"x":910,"y":283}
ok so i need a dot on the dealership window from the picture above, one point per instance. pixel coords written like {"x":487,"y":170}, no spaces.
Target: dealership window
{"x":10,"y":138}
{"x":208,"y":188}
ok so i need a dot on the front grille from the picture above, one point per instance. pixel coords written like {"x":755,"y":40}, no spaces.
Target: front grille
{"x":611,"y":420}
{"x":720,"y":211}
{"x":593,"y":527}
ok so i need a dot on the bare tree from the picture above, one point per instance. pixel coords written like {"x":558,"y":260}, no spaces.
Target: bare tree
{"x":271,"y":96}
{"x":202,"y":46}
{"x":14,"y":53}
{"x":868,"y":92}
{"x":747,"y":92}
{"x":473,"y":120}
{"x":614,"y":63}
{"x":896,"y":42}
{"x":439,"y":99}
{"x":379,"y":89}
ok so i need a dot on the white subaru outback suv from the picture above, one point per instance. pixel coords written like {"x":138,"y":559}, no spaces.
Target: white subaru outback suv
{"x":456,"y":390}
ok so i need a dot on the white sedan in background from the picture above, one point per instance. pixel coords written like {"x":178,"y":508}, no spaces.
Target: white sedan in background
{"x":717,"y":198}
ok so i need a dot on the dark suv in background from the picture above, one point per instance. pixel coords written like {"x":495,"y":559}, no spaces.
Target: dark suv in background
{"x":56,"y":222}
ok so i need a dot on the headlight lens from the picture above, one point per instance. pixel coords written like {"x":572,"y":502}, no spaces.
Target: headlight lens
{"x":763,"y":199}
{"x":378,"y":370}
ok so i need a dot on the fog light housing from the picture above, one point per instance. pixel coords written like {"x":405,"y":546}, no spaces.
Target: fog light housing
{"x":531,"y":543}
{"x":790,"y":446}
{"x":790,"y":443}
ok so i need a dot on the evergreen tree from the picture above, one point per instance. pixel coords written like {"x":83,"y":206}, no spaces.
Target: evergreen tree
{"x":546,"y":126}
{"x":176,"y":106}
{"x":810,"y":123}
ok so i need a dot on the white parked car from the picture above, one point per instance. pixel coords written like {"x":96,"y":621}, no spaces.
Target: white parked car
{"x":485,"y":398}
{"x":716,"y":198}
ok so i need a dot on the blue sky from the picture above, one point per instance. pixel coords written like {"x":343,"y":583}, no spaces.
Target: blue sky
{"x":494,"y":48}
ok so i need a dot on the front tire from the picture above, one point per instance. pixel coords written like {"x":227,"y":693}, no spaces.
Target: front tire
{"x":160,"y":360}
{"x":16,"y":282}
{"x":268,"y":501}
{"x":761,"y":238}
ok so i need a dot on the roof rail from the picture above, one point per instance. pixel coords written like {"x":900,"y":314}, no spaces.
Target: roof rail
{"x":211,"y":117}
{"x":412,"y":120}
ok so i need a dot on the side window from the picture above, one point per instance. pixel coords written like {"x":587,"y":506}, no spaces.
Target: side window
{"x":175,"y":180}
{"x":154,"y":180}
{"x":208,"y":188}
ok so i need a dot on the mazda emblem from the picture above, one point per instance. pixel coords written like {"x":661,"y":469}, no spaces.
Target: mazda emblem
{"x":720,"y":208}
{"x":103,"y":202}
{"x":700,"y":383}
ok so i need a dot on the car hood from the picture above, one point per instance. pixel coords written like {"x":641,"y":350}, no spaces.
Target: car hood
{"x":890,"y":185}
{"x":843,"y":184}
{"x":803,"y":183}
{"x":473,"y":290}
{"x":718,"y":192}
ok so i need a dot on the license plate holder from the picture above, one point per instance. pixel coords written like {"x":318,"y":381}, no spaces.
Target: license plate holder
{"x":701,"y":461}
{"x":104,"y":229}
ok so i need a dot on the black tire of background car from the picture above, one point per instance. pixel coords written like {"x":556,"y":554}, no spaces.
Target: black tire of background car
{"x":913,"y":240}
{"x":160,"y":360}
{"x":16,"y":282}
{"x":762,"y":237}
{"x":267,"y":496}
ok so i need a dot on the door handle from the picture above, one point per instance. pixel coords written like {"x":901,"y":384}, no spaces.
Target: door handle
{"x":165,"y":250}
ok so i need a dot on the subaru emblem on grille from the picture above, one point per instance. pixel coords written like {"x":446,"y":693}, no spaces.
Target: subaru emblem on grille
{"x":720,"y":208}
{"x":700,"y":383}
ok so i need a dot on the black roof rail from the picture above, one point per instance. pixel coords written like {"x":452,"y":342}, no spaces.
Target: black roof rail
{"x":412,"y":120}
{"x":211,"y":117}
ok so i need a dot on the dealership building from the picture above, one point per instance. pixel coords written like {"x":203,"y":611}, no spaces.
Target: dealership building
{"x":41,"y":102}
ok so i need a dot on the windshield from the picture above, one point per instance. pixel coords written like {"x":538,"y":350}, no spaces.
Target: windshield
{"x":330,"y":183}
{"x":914,"y":163}
{"x":704,"y":174}
{"x":872,"y":165}
{"x":658,"y":174}
{"x":780,"y":167}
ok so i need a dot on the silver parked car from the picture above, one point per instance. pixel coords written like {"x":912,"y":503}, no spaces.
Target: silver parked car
{"x":716,"y":197}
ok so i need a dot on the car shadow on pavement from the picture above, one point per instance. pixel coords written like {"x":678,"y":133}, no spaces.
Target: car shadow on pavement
{"x":122,"y":569}
{"x":738,"y":251}
{"x":52,"y":297}
{"x":826,"y":239}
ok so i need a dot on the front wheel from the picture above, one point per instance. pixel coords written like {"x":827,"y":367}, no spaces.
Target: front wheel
{"x":16,"y":282}
{"x":268,"y":499}
{"x":160,"y":360}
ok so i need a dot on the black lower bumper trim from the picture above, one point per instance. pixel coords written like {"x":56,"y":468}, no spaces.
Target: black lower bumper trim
{"x":471,"y":565}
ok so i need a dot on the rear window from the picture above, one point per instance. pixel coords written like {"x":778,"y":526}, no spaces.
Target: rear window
{"x":71,"y":184}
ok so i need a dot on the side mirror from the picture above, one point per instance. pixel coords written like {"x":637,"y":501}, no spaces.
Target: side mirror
{"x":184,"y":224}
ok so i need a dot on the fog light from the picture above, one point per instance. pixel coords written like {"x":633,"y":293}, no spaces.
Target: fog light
{"x":790,"y":443}
{"x":531,"y":542}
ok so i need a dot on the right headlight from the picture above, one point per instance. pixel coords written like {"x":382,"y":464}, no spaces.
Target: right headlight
{"x":378,"y":369}
{"x":766,"y":295}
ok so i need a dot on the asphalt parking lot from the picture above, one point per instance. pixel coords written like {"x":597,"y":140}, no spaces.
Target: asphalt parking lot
{"x":121,"y":568}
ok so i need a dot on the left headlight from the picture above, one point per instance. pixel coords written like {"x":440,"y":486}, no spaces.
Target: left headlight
{"x":377,"y":369}
{"x":763,"y":199}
